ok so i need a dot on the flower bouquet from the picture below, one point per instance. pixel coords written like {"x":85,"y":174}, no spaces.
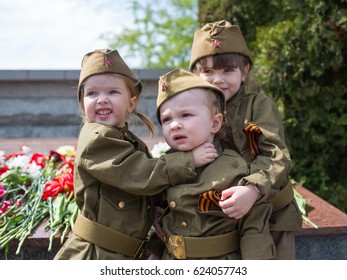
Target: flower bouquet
{"x":36,"y":188}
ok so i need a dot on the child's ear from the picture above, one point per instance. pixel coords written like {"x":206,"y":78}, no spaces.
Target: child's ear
{"x":245,"y":71}
{"x":217,"y":122}
{"x":133,"y":103}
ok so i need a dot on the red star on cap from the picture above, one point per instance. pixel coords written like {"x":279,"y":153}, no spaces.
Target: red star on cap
{"x":164,"y":87}
{"x":107,"y":61}
{"x":217,"y":44}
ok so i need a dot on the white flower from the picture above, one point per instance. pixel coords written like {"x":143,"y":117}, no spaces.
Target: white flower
{"x":2,"y":159}
{"x":18,"y":162}
{"x":159,"y":149}
{"x":34,"y":170}
{"x":25,"y":149}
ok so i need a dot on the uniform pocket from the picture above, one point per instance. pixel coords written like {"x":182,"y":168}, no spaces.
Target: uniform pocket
{"x":119,"y":199}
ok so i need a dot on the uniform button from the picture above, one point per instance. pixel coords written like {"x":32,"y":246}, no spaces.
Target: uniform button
{"x":121,"y":204}
{"x":172,"y":204}
{"x":184,"y":224}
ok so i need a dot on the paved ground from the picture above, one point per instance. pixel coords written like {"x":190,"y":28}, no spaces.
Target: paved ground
{"x":44,"y":145}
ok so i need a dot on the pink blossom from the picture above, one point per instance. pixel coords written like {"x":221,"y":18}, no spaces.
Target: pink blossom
{"x":5,"y":205}
{"x":2,"y":191}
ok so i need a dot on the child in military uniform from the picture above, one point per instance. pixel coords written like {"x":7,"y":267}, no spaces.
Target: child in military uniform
{"x":110,"y":159}
{"x":190,"y":111}
{"x":220,"y":56}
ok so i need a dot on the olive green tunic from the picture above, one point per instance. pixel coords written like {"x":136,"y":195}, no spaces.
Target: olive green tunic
{"x":109,"y":162}
{"x":184,"y":217}
{"x":269,"y":169}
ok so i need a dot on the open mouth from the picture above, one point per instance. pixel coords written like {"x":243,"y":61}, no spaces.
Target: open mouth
{"x":179,"y":137}
{"x":103,"y":112}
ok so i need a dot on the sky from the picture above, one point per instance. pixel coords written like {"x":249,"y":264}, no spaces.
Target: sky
{"x":55,"y":34}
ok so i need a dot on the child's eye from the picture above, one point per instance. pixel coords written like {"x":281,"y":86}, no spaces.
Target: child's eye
{"x":165,"y":120}
{"x":207,"y":71}
{"x":229,"y":69}
{"x":186,"y":115}
{"x":113,"y":92}
{"x":90,"y":93}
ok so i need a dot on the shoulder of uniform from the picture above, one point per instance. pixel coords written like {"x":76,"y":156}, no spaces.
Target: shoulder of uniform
{"x":96,"y":129}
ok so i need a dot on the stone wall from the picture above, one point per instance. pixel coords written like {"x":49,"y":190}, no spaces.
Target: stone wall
{"x":43,"y":103}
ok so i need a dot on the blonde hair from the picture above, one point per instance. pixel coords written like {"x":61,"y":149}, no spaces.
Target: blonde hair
{"x":134,"y":91}
{"x":216,"y":106}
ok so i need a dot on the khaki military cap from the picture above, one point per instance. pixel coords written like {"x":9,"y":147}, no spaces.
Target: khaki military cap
{"x":217,"y":38}
{"x":105,"y":61}
{"x":179,"y":80}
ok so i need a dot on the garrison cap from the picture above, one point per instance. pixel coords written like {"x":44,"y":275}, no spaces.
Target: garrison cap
{"x":219,"y":37}
{"x":179,"y":80}
{"x":105,"y":61}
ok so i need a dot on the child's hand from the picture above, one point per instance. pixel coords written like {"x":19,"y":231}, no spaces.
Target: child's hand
{"x":204,"y":154}
{"x":236,"y":201}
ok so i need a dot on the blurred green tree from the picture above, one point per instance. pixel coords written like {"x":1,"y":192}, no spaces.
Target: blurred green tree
{"x":162,"y":34}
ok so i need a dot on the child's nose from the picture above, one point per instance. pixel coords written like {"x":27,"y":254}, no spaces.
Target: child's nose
{"x":217,"y":79}
{"x":175,"y":125}
{"x":103,"y":99}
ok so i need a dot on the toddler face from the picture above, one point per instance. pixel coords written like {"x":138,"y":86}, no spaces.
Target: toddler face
{"x":187,"y":120}
{"x":227,"y":79}
{"x":107,"y":100}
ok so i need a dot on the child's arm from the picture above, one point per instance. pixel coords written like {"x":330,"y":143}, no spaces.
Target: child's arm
{"x":115,"y":162}
{"x":269,"y":168}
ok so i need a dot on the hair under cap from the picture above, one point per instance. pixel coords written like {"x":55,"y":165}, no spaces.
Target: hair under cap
{"x":178,"y":80}
{"x":217,"y":38}
{"x":105,"y":61}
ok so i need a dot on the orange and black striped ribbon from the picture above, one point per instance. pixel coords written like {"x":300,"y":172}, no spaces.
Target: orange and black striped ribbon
{"x":252,"y":132}
{"x":209,"y":198}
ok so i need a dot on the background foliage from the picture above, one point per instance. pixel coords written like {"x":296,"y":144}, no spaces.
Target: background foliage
{"x":162,"y":33}
{"x":299,"y":53}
